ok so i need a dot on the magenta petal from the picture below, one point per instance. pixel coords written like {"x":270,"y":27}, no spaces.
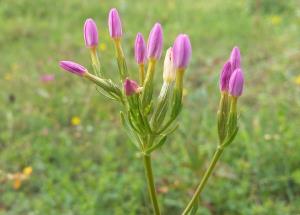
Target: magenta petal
{"x":90,"y":33}
{"x":140,"y":49}
{"x":130,"y":87}
{"x":73,"y":67}
{"x":235,"y":58}
{"x":225,"y":76}
{"x":155,"y":42}
{"x":114,"y":24}
{"x":182,"y":51}
{"x":236,"y":83}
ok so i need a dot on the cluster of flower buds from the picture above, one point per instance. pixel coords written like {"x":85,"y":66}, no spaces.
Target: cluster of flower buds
{"x":231,"y":86}
{"x":147,"y":121}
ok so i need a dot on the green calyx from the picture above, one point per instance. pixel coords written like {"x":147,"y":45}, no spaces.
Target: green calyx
{"x":227,"y":119}
{"x":148,"y":87}
{"x":122,"y":66}
{"x":177,"y":95}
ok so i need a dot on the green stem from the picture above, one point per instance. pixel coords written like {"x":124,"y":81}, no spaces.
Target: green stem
{"x":204,"y":180}
{"x":151,"y":185}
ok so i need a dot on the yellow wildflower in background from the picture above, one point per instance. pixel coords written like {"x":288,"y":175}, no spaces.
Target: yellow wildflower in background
{"x":103,"y":47}
{"x":75,"y":120}
{"x":19,"y":177}
{"x":7,"y":77}
{"x":27,"y":170}
{"x":276,"y":20}
{"x":297,"y":80}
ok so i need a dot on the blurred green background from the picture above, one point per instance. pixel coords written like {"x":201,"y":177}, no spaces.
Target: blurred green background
{"x":71,"y":137}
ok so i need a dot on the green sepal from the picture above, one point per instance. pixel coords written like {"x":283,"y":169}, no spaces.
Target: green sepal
{"x":166,"y":126}
{"x":230,"y":139}
{"x":132,"y":136}
{"x":135,"y":124}
{"x":162,"y":106}
{"x":95,"y":62}
{"x":232,"y":123}
{"x":156,"y":146}
{"x":107,"y":94}
{"x":148,"y":87}
{"x":222,"y":116}
{"x":169,"y":130}
{"x":147,"y":96}
{"x":177,"y":102}
{"x":107,"y":85}
{"x":122,"y":66}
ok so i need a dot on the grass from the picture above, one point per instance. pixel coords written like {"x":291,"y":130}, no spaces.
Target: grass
{"x":92,"y":168}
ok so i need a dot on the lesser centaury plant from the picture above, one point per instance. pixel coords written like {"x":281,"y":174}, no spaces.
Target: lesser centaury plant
{"x":149,"y":121}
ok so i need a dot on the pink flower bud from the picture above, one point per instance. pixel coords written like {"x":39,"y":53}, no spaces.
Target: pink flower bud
{"x":155,"y":42}
{"x":140,"y":49}
{"x":225,"y":76}
{"x":236,"y":83}
{"x":131,"y":87}
{"x":73,"y":67}
{"x":235,"y":58}
{"x":114,"y":24}
{"x":90,"y":33}
{"x":182,"y":51}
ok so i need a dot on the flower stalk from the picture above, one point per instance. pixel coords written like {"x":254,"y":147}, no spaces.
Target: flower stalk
{"x":150,"y":183}
{"x":204,"y":180}
{"x":231,"y":86}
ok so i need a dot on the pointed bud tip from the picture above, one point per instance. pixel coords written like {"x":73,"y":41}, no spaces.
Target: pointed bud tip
{"x":73,"y":67}
{"x":140,"y":49}
{"x":90,"y":33}
{"x":155,"y":42}
{"x":182,"y":51}
{"x":114,"y":24}
{"x":235,"y":58}
{"x":225,"y":76}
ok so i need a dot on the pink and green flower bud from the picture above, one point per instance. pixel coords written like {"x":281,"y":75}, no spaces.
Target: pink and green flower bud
{"x":182,"y":51}
{"x":131,"y":87}
{"x":73,"y":67}
{"x":236,"y":83}
{"x":155,"y":42}
{"x":90,"y":33}
{"x":169,"y":74}
{"x":114,"y":24}
{"x":140,"y":49}
{"x":225,"y":77}
{"x":235,"y":58}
